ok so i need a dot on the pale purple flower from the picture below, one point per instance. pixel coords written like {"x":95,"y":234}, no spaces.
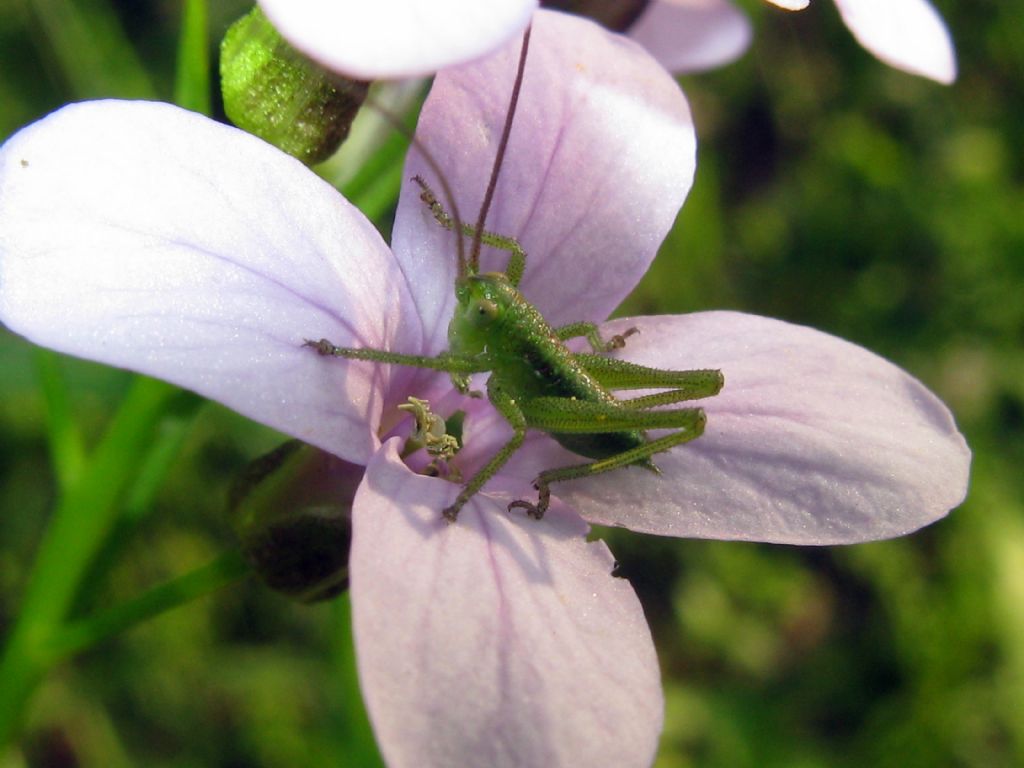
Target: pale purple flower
{"x":692,"y":35}
{"x":405,"y":38}
{"x":151,"y":238}
{"x":402,"y":38}
{"x":906,"y":34}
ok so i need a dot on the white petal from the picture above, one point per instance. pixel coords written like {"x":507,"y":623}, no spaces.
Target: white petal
{"x":397,"y":38}
{"x":906,"y":34}
{"x":691,"y":35}
{"x":791,"y":5}
{"x":147,"y":237}
{"x":496,"y":641}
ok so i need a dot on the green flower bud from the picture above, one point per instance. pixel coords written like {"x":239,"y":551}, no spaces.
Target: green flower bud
{"x":273,"y":91}
{"x":292,"y":512}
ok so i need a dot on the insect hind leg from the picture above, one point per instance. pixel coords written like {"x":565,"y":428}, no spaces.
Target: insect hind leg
{"x":517,"y":256}
{"x":620,"y":374}
{"x":689,"y":424}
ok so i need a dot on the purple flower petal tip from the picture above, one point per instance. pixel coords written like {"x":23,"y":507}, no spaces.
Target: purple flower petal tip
{"x":813,"y":440}
{"x":601,"y":157}
{"x":692,"y":35}
{"x":906,"y":34}
{"x":498,"y":640}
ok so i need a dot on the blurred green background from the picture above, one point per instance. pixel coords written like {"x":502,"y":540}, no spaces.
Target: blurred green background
{"x":831,"y":190}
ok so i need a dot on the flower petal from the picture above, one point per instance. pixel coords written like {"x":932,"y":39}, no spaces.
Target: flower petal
{"x":396,"y":38}
{"x":497,"y":641}
{"x":600,"y":160}
{"x":147,"y":237}
{"x":813,"y":440}
{"x":906,"y":34}
{"x":791,"y":5}
{"x":691,"y":35}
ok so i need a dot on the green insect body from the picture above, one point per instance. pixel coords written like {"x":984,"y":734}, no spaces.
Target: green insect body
{"x":536,"y":381}
{"x":528,"y":359}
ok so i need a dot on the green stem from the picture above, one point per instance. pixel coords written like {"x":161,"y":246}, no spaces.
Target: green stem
{"x":79,"y":635}
{"x":365,"y":184}
{"x":84,"y":516}
{"x":67,"y":451}
{"x":93,"y":52}
{"x":163,"y":451}
{"x":192,"y":80}
{"x":378,"y":198}
{"x":138,"y":496}
{"x":351,"y":725}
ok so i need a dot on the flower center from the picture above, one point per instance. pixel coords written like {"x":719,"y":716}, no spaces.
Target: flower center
{"x":441,"y":438}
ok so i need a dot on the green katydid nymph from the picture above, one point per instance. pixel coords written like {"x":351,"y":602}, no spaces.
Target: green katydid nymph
{"x":536,"y":381}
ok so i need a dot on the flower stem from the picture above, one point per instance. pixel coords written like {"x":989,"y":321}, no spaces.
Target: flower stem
{"x":79,"y":635}
{"x":137,"y":498}
{"x":81,"y":521}
{"x":67,"y":451}
{"x":351,"y":725}
{"x":374,"y":187}
{"x":92,"y":50}
{"x":192,"y":80}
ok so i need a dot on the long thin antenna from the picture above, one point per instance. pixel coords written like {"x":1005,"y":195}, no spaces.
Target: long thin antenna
{"x":474,"y":254}
{"x":398,"y":124}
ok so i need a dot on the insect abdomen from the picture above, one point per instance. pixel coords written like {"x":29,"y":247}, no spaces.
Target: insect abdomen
{"x":600,"y":446}
{"x":542,"y":366}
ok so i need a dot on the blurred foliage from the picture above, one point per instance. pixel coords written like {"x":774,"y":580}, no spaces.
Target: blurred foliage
{"x":832,"y":191}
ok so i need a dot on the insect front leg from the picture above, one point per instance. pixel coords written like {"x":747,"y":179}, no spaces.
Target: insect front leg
{"x":593,"y":335}
{"x":507,"y":407}
{"x":460,"y":367}
{"x":517,"y":256}
{"x":563,"y":415}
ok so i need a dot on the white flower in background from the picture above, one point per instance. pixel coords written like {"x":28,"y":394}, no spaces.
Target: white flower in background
{"x":403,"y":38}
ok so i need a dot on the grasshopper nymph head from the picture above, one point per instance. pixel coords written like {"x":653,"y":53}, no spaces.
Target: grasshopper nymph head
{"x":481,"y":304}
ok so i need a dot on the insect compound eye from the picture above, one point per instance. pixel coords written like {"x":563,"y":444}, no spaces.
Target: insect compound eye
{"x":483,"y":311}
